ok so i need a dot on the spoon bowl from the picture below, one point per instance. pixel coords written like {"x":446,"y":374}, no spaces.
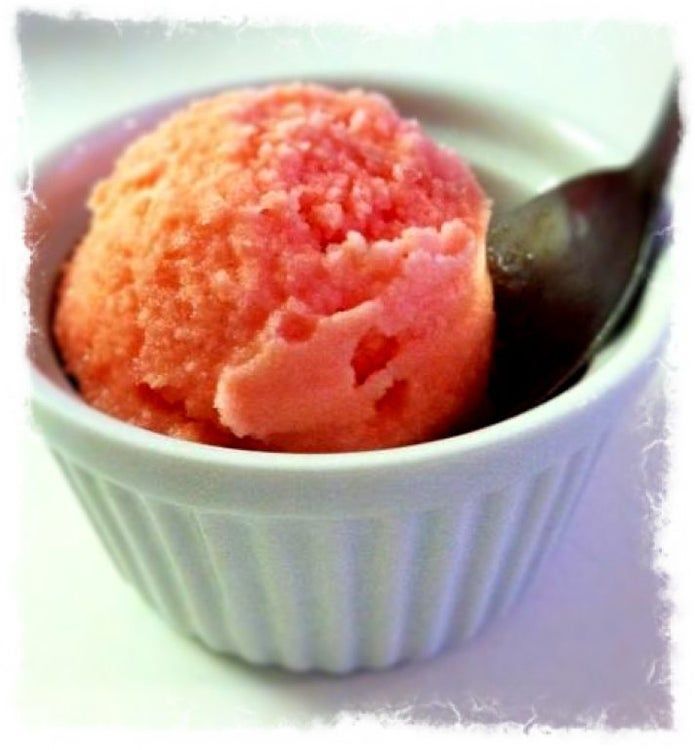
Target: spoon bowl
{"x":566,"y":266}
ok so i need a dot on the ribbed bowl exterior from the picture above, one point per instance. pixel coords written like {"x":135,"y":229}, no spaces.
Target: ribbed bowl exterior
{"x":334,"y":594}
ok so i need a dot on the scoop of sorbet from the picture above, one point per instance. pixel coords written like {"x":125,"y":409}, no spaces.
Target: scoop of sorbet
{"x":292,"y":268}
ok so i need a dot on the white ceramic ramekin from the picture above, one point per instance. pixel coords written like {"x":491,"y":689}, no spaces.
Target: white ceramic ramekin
{"x":331,"y":562}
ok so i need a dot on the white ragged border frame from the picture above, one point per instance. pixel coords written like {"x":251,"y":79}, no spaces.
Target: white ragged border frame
{"x":675,"y":533}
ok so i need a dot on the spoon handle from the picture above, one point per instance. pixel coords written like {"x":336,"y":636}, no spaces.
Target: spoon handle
{"x":651,"y":168}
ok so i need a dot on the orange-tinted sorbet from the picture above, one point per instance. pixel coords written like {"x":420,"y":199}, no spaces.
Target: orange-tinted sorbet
{"x":290,"y":268}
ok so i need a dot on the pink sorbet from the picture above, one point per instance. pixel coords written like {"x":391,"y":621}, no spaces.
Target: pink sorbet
{"x":290,"y":268}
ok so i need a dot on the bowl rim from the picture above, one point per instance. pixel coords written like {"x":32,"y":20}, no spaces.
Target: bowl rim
{"x":631,"y":349}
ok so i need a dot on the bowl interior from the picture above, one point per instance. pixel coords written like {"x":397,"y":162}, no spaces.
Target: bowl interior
{"x":515,"y":152}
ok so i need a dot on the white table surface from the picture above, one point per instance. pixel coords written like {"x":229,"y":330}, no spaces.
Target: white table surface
{"x":586,"y":644}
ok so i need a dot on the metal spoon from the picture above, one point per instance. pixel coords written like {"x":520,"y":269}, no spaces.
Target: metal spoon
{"x":567,"y":265}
